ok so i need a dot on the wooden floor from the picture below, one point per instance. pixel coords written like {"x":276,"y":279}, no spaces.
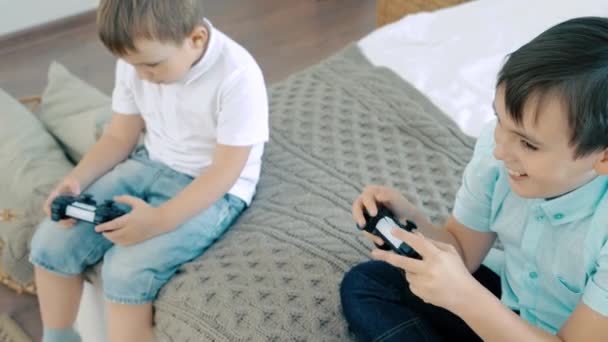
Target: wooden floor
{"x":283,"y":35}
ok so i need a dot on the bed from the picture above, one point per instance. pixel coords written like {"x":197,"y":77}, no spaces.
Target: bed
{"x":401,"y":107}
{"x":453,"y":54}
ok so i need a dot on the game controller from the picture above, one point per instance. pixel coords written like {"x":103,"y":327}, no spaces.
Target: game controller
{"x":382,"y":224}
{"x":84,"y":208}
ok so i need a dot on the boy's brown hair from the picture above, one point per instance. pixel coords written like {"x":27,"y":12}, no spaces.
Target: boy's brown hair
{"x":121,"y":22}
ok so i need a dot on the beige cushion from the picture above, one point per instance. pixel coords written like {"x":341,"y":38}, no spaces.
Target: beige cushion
{"x":31,"y":164}
{"x":72,"y":110}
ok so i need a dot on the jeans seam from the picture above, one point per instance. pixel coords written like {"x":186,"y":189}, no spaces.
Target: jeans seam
{"x":424,"y":332}
{"x":392,"y":331}
{"x":145,"y":193}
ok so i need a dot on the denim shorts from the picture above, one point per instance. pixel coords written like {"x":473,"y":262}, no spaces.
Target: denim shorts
{"x":134,"y":274}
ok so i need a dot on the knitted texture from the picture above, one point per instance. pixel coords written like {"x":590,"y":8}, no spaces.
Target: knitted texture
{"x":335,"y":127}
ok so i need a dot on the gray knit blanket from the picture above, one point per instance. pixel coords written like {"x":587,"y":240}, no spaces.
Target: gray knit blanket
{"x":335,"y":127}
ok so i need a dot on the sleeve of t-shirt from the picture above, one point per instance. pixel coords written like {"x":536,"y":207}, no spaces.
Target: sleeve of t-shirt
{"x":595,"y":294}
{"x":473,"y":203}
{"x":123,"y":101}
{"x":243,"y":112}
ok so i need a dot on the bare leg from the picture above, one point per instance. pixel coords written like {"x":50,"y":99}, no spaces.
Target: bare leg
{"x":59,"y":298}
{"x":129,"y":322}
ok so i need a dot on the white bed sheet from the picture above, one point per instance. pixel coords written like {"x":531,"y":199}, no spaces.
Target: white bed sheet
{"x":453,"y":55}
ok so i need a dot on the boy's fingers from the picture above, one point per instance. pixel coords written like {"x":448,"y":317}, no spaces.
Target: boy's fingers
{"x":47,"y":204}
{"x":113,"y":225}
{"x":410,"y":265}
{"x":129,"y":200}
{"x":375,"y":239}
{"x":69,"y":223}
{"x":113,"y":235}
{"x":369,"y":204}
{"x":357,"y":211}
{"x":380,"y":197}
{"x":417,"y":241}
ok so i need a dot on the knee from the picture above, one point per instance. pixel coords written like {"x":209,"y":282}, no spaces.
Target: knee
{"x":352,"y":282}
{"x":127,"y":280}
{"x":49,"y":243}
{"x":361,"y":279}
{"x":358,"y":284}
{"x":58,"y":249}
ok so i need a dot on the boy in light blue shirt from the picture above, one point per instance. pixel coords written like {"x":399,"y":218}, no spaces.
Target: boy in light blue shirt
{"x":537,"y":181}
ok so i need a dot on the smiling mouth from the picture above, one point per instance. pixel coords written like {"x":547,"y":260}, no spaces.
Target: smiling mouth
{"x":516,"y":174}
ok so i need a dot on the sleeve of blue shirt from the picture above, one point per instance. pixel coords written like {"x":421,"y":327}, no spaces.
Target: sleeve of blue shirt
{"x":473,"y":203}
{"x":596,"y":292}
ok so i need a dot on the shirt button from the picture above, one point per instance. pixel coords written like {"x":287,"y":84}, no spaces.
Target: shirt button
{"x":558,"y":216}
{"x":533,"y":275}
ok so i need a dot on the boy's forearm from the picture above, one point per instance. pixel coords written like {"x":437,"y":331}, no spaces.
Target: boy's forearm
{"x":102,"y":157}
{"x":493,"y":321}
{"x":431,"y":231}
{"x":205,"y":190}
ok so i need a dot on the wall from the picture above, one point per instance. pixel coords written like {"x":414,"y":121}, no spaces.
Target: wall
{"x":17,"y":15}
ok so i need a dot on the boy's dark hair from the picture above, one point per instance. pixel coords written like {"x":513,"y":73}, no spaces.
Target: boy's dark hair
{"x":121,"y":22}
{"x":570,"y":58}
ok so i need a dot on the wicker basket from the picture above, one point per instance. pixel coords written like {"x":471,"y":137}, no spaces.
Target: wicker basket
{"x":7,"y":215}
{"x":31,"y":102}
{"x":12,"y":284}
{"x":392,"y":10}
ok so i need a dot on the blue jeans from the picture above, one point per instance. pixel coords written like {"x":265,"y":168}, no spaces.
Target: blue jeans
{"x":134,"y":274}
{"x":379,"y":306}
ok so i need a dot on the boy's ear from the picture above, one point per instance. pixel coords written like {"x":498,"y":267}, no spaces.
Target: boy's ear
{"x":601,"y":166}
{"x":199,"y":36}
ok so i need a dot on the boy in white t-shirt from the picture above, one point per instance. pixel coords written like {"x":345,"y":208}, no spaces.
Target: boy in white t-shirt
{"x":201,"y":100}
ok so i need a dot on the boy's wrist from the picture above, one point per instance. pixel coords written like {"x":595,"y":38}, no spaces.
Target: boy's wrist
{"x":472,"y":294}
{"x":77,"y":176}
{"x":71,"y":178}
{"x":163,"y":218}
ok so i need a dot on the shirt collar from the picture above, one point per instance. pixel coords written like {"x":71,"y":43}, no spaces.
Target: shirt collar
{"x":577,"y":204}
{"x":209,"y":58}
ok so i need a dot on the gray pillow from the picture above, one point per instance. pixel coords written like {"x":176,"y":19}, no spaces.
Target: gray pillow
{"x":31,"y":164}
{"x":73,"y":111}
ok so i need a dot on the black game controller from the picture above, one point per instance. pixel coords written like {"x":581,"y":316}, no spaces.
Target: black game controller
{"x":84,"y":208}
{"x":382,"y":224}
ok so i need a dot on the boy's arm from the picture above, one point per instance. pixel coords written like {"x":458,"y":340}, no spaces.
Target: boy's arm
{"x":115,"y":144}
{"x":208,"y":187}
{"x":472,"y":245}
{"x":480,"y":309}
{"x":493,"y":321}
{"x":241,"y":124}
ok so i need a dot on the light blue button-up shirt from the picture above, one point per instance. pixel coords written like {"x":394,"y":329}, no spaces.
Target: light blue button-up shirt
{"x":555,"y":251}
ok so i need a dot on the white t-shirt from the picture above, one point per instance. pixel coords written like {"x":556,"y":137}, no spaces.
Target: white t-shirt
{"x":221,"y":100}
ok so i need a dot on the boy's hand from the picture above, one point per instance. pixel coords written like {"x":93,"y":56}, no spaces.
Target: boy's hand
{"x":142,"y":223}
{"x":440,"y":278}
{"x":69,"y":185}
{"x":391,"y":199}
